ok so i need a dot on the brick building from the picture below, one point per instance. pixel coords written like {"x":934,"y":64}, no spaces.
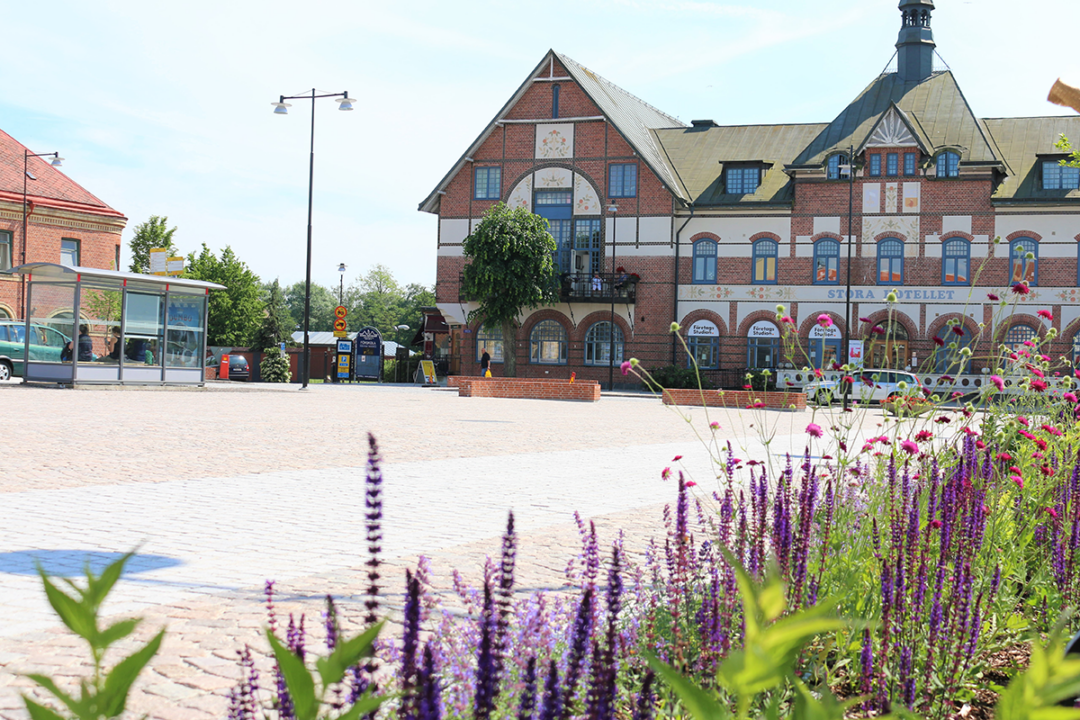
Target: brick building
{"x":713,"y":226}
{"x":65,"y":224}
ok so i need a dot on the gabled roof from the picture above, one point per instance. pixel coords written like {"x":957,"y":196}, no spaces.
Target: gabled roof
{"x":630,"y":115}
{"x":699,"y":154}
{"x":1022,"y":141}
{"x":934,"y":108}
{"x":50,"y":187}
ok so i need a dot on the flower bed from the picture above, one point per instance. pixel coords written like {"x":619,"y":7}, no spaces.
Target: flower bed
{"x":736,"y":399}
{"x":526,"y":388}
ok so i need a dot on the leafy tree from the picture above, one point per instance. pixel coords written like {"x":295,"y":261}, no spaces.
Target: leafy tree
{"x":323,"y":302}
{"x":236,"y":311}
{"x":274,"y":366}
{"x":376,"y":299}
{"x":277,"y":324}
{"x":154,"y":233}
{"x":510,"y":269}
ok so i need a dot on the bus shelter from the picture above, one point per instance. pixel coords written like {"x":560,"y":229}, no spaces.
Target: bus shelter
{"x":85,"y":325}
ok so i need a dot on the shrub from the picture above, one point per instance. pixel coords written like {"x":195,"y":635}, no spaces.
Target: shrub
{"x":675,"y":377}
{"x":274,"y":367}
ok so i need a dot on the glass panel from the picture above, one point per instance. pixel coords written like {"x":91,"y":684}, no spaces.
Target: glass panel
{"x":5,"y":251}
{"x":69,"y":253}
{"x":184,"y":331}
{"x":99,"y":314}
{"x":492,"y":339}
{"x":52,"y":325}
{"x":143,"y":325}
{"x":554,"y":197}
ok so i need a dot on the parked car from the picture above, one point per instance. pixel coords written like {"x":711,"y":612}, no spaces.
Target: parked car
{"x":46,"y":344}
{"x":239,"y":369}
{"x":870,"y":386}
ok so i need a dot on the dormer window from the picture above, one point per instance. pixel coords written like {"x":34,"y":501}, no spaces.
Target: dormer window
{"x":742,"y":180}
{"x":1059,"y":177}
{"x":837,"y":163}
{"x":948,"y":164}
{"x":910,"y":160}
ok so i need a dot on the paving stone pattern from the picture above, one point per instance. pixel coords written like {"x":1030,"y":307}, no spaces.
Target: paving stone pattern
{"x":225,"y":487}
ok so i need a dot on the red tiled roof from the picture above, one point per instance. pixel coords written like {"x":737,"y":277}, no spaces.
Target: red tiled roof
{"x":51,"y":188}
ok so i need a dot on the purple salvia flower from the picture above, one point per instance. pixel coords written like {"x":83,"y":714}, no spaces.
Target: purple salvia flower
{"x":331,"y":622}
{"x":592,"y":556}
{"x":646,"y":701}
{"x":907,"y":679}
{"x":867,"y":663}
{"x":505,"y":591}
{"x":579,"y":645}
{"x":410,"y":643}
{"x":430,"y":704}
{"x":995,"y":581}
{"x":527,"y":706}
{"x":271,"y":615}
{"x":373,"y":517}
{"x":484,"y":701}
{"x":552,"y":707}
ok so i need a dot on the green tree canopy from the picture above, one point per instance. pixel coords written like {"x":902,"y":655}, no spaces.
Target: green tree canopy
{"x":236,"y":312}
{"x":509,"y":269}
{"x":378,"y":300}
{"x":277,"y":323}
{"x":154,"y":233}
{"x":323,"y":302}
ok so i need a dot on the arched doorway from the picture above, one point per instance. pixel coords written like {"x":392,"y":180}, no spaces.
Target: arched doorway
{"x":824,"y":346}
{"x":888,"y":345}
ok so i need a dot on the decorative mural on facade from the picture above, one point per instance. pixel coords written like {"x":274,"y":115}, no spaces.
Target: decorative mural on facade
{"x":871,"y":198}
{"x":585,"y":200}
{"x":553,"y":178}
{"x":911,"y":197}
{"x":892,"y":196}
{"x":907,"y":228}
{"x":521,"y":197}
{"x":877,"y":293}
{"x":554,"y":141}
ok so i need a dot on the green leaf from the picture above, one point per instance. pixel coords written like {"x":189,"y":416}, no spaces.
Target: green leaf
{"x":40,"y":712}
{"x":99,"y":587}
{"x":346,"y":654}
{"x":367,"y":704}
{"x":297,"y":679}
{"x":78,"y":618}
{"x":118,"y":631}
{"x":118,"y":683}
{"x":47,"y":682}
{"x":698,"y":701}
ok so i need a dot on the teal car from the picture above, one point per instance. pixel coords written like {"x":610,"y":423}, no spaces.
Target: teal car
{"x":46,"y":344}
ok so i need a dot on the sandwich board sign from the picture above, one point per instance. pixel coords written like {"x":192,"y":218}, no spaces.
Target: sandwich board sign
{"x":367,"y":346}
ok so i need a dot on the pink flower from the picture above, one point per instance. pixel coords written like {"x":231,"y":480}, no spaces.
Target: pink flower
{"x":1038,"y":385}
{"x":1023,"y":421}
{"x":814,"y":430}
{"x":625,"y":367}
{"x":1021,"y":289}
{"x":957,"y":330}
{"x":666,"y":474}
{"x":690,"y":483}
{"x":714,"y":425}
{"x":787,"y":320}
{"x":877,"y":330}
{"x":942,"y":420}
{"x":1051,"y":512}
{"x":1040,"y":443}
{"x":1052,"y":430}
{"x":1045,"y":314}
{"x":939,"y":342}
{"x":677,"y":458}
{"x":992,"y":297}
{"x":1035,"y":371}
{"x":1070,"y":397}
{"x":824,"y":320}
{"x":864,"y":320}
{"x":998,"y":382}
{"x":979,"y":444}
{"x":1004,"y":457}
{"x":1018,"y":480}
{"x":935,"y":524}
{"x":909,"y":447}
{"x":923,"y":436}
{"x":1029,"y":343}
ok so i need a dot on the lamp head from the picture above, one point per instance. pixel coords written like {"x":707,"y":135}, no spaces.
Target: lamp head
{"x":281,"y":107}
{"x":57,"y":161}
{"x":613,"y":208}
{"x":345,"y":103}
{"x":341,"y":268}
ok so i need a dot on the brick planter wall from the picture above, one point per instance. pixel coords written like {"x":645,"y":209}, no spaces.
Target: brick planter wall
{"x":736,"y":398}
{"x":525,"y":388}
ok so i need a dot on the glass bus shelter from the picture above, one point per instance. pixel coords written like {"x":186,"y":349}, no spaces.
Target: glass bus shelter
{"x":86,"y":325}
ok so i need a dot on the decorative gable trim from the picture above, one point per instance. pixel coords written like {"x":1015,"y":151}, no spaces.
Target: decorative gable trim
{"x":891,"y":131}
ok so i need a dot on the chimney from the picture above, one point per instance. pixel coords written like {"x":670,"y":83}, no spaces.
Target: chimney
{"x":915,"y":46}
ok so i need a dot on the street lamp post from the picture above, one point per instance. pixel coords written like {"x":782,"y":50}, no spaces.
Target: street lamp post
{"x":282,"y":108}
{"x":614,"y":210}
{"x":847,"y":291}
{"x":341,"y":287}
{"x":56,"y":162}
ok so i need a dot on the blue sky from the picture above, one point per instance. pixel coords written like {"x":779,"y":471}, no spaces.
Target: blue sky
{"x":164,"y":108}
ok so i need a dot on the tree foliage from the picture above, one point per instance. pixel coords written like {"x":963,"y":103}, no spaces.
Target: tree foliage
{"x":235,"y":312}
{"x":277,"y":323}
{"x":154,"y":233}
{"x":323,"y":302}
{"x":510,"y":269}
{"x":378,"y":300}
{"x":274,"y":367}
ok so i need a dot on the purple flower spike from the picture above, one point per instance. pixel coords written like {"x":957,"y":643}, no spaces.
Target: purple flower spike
{"x":646,"y":702}
{"x":430,"y":705}
{"x":410,"y":644}
{"x":579,"y":644}
{"x":486,"y":680}
{"x":331,"y":623}
{"x":551,"y":708}
{"x":528,"y":694}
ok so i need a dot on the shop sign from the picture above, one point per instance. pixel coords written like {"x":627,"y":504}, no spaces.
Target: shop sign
{"x":763,"y":329}
{"x":368,"y":348}
{"x":824,"y":333}
{"x":855,"y":353}
{"x":703,"y":328}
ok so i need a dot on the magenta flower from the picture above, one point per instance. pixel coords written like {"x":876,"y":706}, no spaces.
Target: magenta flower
{"x":940,"y":342}
{"x":666,"y":474}
{"x":866,"y":320}
{"x":787,"y":320}
{"x":1070,"y":397}
{"x":998,"y":382}
{"x":1021,"y":289}
{"x":992,"y":297}
{"x":824,"y":320}
{"x":1038,"y":385}
{"x":814,"y":430}
{"x":625,"y":367}
{"x":714,"y":425}
{"x":1045,"y":314}
{"x":909,"y":447}
{"x":877,"y":330}
{"x":1018,"y":480}
{"x":1051,"y":512}
{"x":923,"y":436}
{"x":677,"y":458}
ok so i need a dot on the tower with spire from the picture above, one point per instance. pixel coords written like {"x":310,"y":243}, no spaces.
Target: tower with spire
{"x":915,"y":45}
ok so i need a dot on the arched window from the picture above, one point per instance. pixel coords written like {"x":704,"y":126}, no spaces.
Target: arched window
{"x":948,"y":165}
{"x":835,"y":168}
{"x":705,"y":261}
{"x":1018,"y":335}
{"x":947,"y":357}
{"x":956,"y":262}
{"x":598,"y":344}
{"x":764,"y":262}
{"x":826,"y":262}
{"x":547,"y":343}
{"x":763,"y":345}
{"x":490,"y":337}
{"x":888,"y":346}
{"x":890,"y":262}
{"x":703,"y":341}
{"x":1076,"y":350}
{"x":1022,"y":267}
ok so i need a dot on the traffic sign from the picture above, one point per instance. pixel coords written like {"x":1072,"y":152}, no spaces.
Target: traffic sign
{"x":341,"y":311}
{"x":340,"y":327}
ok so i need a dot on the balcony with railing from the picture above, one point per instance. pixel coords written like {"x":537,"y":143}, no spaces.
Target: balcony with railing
{"x":585,"y":288}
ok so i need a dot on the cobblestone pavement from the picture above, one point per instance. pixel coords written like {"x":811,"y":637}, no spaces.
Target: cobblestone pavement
{"x":224,"y":487}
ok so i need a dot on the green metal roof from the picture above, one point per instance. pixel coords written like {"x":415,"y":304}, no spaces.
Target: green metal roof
{"x":934,"y":107}
{"x":1021,"y":140}
{"x":698,"y":154}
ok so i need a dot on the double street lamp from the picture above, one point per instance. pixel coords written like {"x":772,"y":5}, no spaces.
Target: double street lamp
{"x":55,"y":162}
{"x":614,"y":210}
{"x":282,"y":108}
{"x":341,"y":287}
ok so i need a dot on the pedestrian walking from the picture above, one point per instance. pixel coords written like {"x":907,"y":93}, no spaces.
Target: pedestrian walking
{"x":485,"y":363}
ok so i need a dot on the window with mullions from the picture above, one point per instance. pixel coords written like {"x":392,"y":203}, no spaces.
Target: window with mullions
{"x":742,"y":180}
{"x":835,"y":165}
{"x":490,"y":337}
{"x":910,"y":160}
{"x":554,"y":101}
{"x":826,"y":262}
{"x":890,"y":262}
{"x":555,"y":207}
{"x":69,"y":252}
{"x":762,"y":352}
{"x":705,"y":351}
{"x":955,"y":262}
{"x":587,"y":239}
{"x":1018,"y":335}
{"x":704,"y":262}
{"x":1022,"y":267}
{"x":764,"y":262}
{"x":875,"y":165}
{"x":622,"y":181}
{"x":948,"y":165}
{"x":488,"y":182}
{"x":1060,"y":177}
{"x":547,"y":343}
{"x":947,"y":358}
{"x":892,"y":164}
{"x":5,"y":250}
{"x":598,"y":344}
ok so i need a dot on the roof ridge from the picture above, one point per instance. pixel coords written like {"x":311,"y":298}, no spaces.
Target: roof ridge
{"x":601,"y":79}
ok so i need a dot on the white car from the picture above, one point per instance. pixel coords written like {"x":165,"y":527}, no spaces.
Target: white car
{"x":882,"y":385}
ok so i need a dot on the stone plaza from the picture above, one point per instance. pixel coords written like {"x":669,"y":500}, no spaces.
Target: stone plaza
{"x":224,"y":487}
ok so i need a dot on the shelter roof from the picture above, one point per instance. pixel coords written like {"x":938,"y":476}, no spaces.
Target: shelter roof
{"x":52,"y":271}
